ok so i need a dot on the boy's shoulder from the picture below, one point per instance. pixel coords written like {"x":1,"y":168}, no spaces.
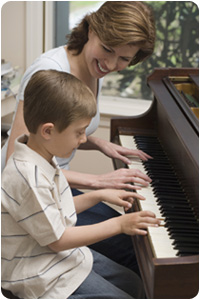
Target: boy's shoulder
{"x":15,"y":182}
{"x":22,"y":175}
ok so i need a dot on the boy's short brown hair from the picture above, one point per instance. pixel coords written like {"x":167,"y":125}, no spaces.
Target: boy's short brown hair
{"x":56,"y":97}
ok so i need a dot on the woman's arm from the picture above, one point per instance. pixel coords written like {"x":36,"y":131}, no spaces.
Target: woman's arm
{"x":112,"y":150}
{"x":18,"y":128}
{"x":118,"y":179}
{"x":118,"y":197}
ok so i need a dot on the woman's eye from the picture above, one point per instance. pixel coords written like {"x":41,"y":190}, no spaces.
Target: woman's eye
{"x":126,"y":59}
{"x":106,"y":49}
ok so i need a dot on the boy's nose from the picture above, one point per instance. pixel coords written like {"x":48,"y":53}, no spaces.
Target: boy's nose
{"x":83,"y":139}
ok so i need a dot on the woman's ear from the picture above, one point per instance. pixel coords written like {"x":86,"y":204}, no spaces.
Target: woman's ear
{"x":89,"y":31}
{"x":47,"y":130}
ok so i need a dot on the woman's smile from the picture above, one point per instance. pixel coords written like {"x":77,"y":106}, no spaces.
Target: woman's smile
{"x":103,"y":70}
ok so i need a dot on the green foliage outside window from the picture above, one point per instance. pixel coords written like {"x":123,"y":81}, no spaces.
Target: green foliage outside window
{"x":177,"y":45}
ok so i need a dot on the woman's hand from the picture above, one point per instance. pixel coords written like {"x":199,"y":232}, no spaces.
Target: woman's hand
{"x":119,"y":197}
{"x":118,"y":179}
{"x":121,"y":179}
{"x":118,"y":152}
{"x":115,"y":151}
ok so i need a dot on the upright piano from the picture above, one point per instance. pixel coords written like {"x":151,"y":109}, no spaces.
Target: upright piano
{"x":168,"y":255}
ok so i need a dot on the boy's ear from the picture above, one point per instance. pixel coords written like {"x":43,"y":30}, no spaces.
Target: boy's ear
{"x":47,"y":130}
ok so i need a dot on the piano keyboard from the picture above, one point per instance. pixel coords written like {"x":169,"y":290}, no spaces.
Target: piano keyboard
{"x":178,"y":233}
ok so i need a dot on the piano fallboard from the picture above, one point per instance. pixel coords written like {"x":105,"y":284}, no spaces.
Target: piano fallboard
{"x":177,"y":277}
{"x":166,"y":278}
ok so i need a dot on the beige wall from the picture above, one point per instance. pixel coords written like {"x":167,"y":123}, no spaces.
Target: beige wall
{"x":13,"y":33}
{"x":13,"y":49}
{"x":93,"y":162}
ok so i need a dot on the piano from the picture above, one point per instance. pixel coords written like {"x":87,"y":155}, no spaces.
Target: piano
{"x":168,"y":255}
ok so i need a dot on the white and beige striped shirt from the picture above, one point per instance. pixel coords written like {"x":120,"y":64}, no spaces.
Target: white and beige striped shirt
{"x":37,"y":206}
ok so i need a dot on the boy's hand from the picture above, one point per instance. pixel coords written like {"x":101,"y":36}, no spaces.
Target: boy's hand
{"x":120,"y":197}
{"x":135,"y":223}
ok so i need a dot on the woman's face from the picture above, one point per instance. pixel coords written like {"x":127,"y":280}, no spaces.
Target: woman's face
{"x":102,"y":59}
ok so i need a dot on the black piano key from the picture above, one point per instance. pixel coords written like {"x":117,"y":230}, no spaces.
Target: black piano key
{"x":156,"y":168}
{"x":159,"y":175}
{"x":180,"y":224}
{"x":183,"y":235}
{"x":155,"y":163}
{"x":188,"y":251}
{"x":164,"y":191}
{"x":177,"y":212}
{"x":183,"y":245}
{"x":188,"y":239}
{"x":171,"y":199}
{"x":178,"y":207}
{"x":167,"y":198}
{"x":180,"y":231}
{"x":167,"y":183}
{"x":180,"y":219}
{"x":175,"y":206}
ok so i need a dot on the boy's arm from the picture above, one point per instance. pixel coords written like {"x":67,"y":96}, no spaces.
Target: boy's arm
{"x":78,"y":236}
{"x":84,"y":201}
{"x":131,"y":224}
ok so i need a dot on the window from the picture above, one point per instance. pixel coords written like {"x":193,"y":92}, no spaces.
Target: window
{"x":177,"y":28}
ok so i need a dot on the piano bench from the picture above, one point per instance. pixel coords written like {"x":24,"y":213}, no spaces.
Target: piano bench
{"x":8,"y":294}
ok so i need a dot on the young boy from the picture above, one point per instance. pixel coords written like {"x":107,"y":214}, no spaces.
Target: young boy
{"x":43,"y":252}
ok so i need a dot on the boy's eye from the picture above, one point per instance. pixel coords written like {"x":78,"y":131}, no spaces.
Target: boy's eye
{"x":80,"y":133}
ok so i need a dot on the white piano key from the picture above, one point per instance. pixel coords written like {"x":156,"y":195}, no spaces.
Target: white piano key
{"x":161,"y":242}
{"x":127,"y":141}
{"x":152,"y":208}
{"x":136,"y":165}
{"x":147,"y":192}
{"x":159,"y":238}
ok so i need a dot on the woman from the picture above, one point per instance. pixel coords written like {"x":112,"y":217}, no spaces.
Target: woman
{"x":118,"y":35}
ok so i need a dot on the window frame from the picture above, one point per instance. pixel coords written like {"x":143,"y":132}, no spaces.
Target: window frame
{"x":40,"y":14}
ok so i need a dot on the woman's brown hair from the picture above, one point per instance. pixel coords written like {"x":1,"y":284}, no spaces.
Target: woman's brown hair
{"x":118,"y":23}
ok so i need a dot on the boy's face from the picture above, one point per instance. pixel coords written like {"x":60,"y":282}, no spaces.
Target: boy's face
{"x":63,"y":143}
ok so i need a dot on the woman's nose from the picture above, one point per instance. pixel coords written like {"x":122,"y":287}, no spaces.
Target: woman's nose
{"x":111,"y":64}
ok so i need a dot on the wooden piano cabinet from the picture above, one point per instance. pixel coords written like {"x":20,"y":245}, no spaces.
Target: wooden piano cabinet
{"x":166,"y":278}
{"x":177,"y":130}
{"x":170,"y":278}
